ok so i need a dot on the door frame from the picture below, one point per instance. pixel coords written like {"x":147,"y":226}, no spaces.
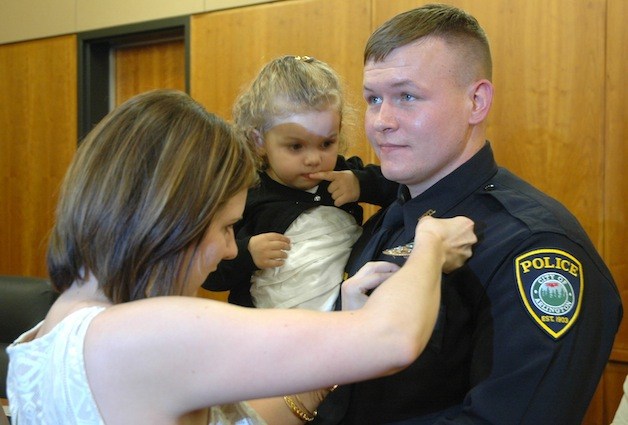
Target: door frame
{"x":94,"y":60}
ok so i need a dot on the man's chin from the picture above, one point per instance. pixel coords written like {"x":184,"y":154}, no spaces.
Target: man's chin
{"x":390,"y":172}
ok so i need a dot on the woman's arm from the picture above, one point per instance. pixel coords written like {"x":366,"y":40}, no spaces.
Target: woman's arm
{"x":182,"y":353}
{"x":279,"y":410}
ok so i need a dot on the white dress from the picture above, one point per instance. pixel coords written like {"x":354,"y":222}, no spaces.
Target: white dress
{"x":320,"y":243}
{"x":47,"y":383}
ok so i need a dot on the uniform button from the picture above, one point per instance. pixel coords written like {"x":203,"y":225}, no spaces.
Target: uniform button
{"x":317,"y":198}
{"x":489,"y":187}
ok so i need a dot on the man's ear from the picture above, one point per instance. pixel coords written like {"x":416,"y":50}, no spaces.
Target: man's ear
{"x":481,"y":93}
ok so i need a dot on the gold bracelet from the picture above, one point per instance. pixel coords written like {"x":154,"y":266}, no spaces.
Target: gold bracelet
{"x":321,"y":394}
{"x":300,"y":412}
{"x":304,"y":407}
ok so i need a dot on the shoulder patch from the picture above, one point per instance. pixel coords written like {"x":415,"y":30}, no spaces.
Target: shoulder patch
{"x":551,"y":285}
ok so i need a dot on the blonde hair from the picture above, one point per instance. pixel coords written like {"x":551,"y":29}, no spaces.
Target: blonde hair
{"x":143,"y":187}
{"x":290,"y":85}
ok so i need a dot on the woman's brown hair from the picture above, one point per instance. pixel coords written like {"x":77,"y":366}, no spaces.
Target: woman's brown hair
{"x":143,"y":187}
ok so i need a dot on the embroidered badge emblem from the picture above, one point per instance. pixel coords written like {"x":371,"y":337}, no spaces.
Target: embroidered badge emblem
{"x":550,"y":283}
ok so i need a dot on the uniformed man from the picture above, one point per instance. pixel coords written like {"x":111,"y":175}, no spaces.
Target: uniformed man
{"x":524,"y":331}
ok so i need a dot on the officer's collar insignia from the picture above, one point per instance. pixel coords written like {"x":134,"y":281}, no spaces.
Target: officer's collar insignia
{"x":551,"y":285}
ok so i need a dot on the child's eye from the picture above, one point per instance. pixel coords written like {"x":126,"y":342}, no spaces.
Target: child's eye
{"x":328,"y":144}
{"x":295,"y":147}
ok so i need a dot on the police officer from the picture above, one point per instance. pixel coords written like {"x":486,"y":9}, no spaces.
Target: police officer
{"x":526,"y":329}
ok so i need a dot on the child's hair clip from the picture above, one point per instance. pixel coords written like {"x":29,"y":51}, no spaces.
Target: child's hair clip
{"x":306,"y":59}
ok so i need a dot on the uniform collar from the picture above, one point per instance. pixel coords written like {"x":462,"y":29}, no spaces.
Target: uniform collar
{"x":449,"y":191}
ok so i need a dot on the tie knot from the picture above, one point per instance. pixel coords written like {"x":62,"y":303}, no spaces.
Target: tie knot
{"x":393,"y":216}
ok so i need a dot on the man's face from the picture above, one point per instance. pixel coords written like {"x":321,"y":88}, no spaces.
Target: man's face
{"x":417,"y":116}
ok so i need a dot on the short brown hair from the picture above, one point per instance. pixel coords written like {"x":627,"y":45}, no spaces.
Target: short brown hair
{"x":455,"y":26}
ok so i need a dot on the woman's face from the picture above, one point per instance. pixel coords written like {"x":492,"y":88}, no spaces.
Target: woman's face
{"x":218,"y":242}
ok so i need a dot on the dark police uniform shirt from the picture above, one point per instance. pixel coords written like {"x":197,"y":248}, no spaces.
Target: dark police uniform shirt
{"x":272,"y":207}
{"x":524,"y":330}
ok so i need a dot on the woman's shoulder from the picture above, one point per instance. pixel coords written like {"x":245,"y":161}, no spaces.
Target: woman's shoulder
{"x":49,"y":328}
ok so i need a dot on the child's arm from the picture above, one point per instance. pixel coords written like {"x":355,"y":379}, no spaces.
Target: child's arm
{"x":354,"y":182}
{"x":375,"y":189}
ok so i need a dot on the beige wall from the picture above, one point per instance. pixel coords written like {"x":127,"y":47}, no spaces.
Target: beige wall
{"x":31,"y":19}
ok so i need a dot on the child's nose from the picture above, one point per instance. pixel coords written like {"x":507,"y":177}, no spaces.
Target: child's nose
{"x":312,"y":158}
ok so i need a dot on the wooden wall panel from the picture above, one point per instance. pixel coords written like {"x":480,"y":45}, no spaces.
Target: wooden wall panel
{"x":616,"y":159}
{"x":146,"y":67}
{"x":38,"y":131}
{"x":228,"y":48}
{"x":612,"y":387}
{"x":548,"y":121}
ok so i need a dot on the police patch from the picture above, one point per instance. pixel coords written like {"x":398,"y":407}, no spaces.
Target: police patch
{"x":550,"y":283}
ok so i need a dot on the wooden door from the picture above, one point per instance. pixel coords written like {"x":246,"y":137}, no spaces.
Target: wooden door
{"x":143,"y":67}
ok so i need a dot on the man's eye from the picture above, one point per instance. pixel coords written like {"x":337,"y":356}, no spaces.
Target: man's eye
{"x":407,"y":97}
{"x":373,"y":100}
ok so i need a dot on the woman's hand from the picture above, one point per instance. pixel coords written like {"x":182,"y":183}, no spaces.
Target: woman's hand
{"x":456,"y":235}
{"x":354,"y":290}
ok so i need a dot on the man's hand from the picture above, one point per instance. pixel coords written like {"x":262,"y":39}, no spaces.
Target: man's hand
{"x":269,"y":250}
{"x":344,"y":186}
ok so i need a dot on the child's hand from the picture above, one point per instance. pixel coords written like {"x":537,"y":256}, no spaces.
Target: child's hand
{"x":344,"y":185}
{"x":269,"y":250}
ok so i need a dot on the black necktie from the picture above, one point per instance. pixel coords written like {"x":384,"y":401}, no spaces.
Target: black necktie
{"x":334,"y":407}
{"x":392,"y":225}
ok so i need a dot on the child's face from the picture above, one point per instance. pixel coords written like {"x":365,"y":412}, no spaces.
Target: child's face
{"x":302,"y":144}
